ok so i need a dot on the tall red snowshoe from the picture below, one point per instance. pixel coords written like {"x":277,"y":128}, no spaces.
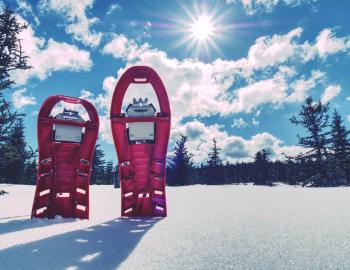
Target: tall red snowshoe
{"x":141,"y":139}
{"x":66,"y":145}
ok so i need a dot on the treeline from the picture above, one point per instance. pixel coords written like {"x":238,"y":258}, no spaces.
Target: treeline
{"x":17,"y":159}
{"x":103,"y":172}
{"x":325,"y":161}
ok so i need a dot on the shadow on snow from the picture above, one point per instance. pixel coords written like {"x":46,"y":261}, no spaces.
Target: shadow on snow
{"x":27,"y":223}
{"x":104,"y":246}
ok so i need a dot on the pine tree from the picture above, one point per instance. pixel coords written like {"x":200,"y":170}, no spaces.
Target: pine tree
{"x":279,"y":171}
{"x":16,"y":154}
{"x":180,"y":168}
{"x":109,"y":177}
{"x":338,"y":168}
{"x":262,"y":170}
{"x":8,"y":120}
{"x":30,"y":170}
{"x":116,"y":179}
{"x":201,"y":174}
{"x":215,"y":173}
{"x":313,"y":116}
{"x":228,"y":173}
{"x":98,"y":168}
{"x":11,"y":53}
{"x":11,"y":58}
{"x":291,"y":178}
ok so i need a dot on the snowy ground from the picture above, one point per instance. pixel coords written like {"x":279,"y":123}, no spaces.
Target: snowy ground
{"x":209,"y":227}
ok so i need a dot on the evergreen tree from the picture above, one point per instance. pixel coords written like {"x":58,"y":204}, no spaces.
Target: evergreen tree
{"x":17,"y":160}
{"x":116,"y":179}
{"x":8,"y":120}
{"x":215,"y":173}
{"x":11,"y":54}
{"x":16,"y":154}
{"x":335,"y":172}
{"x":279,"y":171}
{"x":313,"y":116}
{"x":228,"y":173}
{"x":340,"y":140}
{"x":98,"y":168}
{"x":30,"y":170}
{"x":338,"y":165}
{"x":201,"y":174}
{"x":262,"y":170}
{"x":109,"y":177}
{"x":180,"y":168}
{"x":11,"y":58}
{"x":291,"y":172}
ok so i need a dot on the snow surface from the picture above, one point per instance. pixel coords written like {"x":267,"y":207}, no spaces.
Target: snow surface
{"x":209,"y":227}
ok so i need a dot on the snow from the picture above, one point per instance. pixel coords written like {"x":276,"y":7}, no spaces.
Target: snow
{"x":208,"y":227}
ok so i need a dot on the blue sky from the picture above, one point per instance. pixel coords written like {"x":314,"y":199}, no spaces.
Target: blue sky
{"x":235,"y":70}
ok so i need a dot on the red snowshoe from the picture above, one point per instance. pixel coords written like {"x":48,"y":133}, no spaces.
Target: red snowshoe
{"x":66,"y":145}
{"x":141,"y":139}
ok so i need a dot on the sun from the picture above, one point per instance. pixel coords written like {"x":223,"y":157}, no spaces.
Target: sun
{"x":202,"y":29}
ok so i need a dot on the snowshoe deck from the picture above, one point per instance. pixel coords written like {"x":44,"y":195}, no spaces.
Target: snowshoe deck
{"x":142,"y":160}
{"x":66,"y":145}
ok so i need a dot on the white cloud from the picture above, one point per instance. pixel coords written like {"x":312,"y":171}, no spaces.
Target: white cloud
{"x":330,"y":92}
{"x":269,"y":51}
{"x":86,"y":94}
{"x":233,"y":148}
{"x":202,"y":89}
{"x":113,"y":8}
{"x":200,"y":136}
{"x":102,"y":104}
{"x":188,"y":79}
{"x":61,"y":105}
{"x":191,"y":84}
{"x":327,"y":43}
{"x":239,"y":123}
{"x":26,"y":9}
{"x":122,"y":47}
{"x":76,"y":21}
{"x":302,"y":86}
{"x":255,"y":122}
{"x":49,"y":56}
{"x":270,"y":91}
{"x":20,"y":100}
{"x":205,"y":89}
{"x":253,"y":6}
